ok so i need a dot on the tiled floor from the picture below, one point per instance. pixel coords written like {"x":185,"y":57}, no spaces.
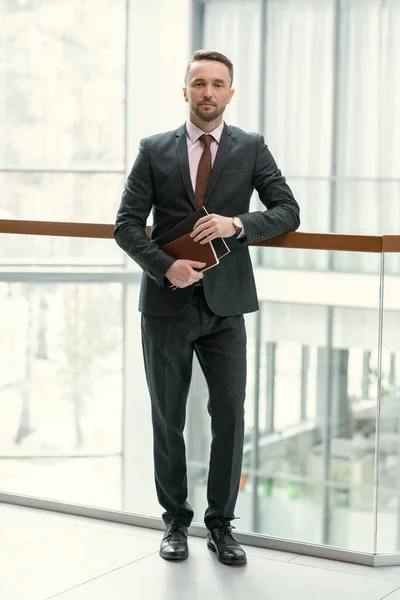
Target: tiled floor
{"x":47,"y":555}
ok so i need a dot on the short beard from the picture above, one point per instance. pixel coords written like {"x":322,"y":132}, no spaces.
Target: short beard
{"x":208,"y":117}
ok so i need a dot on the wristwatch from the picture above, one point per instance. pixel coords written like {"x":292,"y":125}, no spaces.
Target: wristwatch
{"x":237,"y":223}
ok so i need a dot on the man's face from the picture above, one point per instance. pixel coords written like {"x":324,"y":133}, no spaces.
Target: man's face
{"x":208,"y":89}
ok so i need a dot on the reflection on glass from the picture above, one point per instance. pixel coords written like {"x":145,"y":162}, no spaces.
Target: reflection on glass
{"x":287,"y":508}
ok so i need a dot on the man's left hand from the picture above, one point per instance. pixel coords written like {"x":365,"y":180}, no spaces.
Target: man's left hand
{"x":212,"y":226}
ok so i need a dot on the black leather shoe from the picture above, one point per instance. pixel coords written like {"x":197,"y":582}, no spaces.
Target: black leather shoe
{"x":228,"y":550}
{"x":174,"y":544}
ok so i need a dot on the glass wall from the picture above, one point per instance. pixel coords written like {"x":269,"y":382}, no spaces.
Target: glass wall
{"x":62,"y":109}
{"x":321,"y":80}
{"x":79,"y":89}
{"x":81,"y":83}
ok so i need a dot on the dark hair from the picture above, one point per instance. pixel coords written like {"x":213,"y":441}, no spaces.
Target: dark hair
{"x":210,"y":55}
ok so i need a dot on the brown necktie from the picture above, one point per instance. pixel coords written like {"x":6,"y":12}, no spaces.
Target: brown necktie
{"x":204,"y":169}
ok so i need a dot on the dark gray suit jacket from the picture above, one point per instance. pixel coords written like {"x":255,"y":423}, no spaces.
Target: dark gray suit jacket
{"x":160,"y":181}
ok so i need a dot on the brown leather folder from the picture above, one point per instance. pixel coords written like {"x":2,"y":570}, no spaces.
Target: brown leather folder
{"x":186,"y":248}
{"x":186,"y":226}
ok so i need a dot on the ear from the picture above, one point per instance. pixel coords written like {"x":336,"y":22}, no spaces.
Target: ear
{"x":185,"y":94}
{"x":231,"y":92}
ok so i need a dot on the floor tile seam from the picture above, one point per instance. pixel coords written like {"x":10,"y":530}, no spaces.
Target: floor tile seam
{"x":294,"y":558}
{"x":78,"y":528}
{"x":95,"y":525}
{"x":19,"y":547}
{"x":116,"y":531}
{"x":49,"y":516}
{"x":389,"y":594}
{"x":101,"y":575}
{"x":70,"y":519}
{"x":15,"y":546}
{"x":54,"y":534}
{"x":53,"y":520}
{"x":279,"y":560}
{"x":344,"y":572}
{"x":99,"y":527}
{"x":71,"y":522}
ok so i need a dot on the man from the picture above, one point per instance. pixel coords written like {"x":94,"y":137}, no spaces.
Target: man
{"x":205,"y":162}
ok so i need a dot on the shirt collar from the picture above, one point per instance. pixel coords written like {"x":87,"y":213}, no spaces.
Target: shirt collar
{"x":194,"y":132}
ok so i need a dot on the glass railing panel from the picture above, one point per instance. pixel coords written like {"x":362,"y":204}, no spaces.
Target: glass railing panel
{"x":310,"y":409}
{"x":61,"y":390}
{"x":366,"y":206}
{"x":309,"y":193}
{"x":388,"y":517}
{"x":75,"y":412}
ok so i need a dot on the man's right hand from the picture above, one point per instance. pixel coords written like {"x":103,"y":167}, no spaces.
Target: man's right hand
{"x":182,"y":272}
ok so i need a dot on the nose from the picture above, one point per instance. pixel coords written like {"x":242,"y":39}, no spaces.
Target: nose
{"x":208,"y":92}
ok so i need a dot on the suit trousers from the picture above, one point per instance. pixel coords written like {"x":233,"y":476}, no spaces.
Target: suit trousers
{"x":220,"y":346}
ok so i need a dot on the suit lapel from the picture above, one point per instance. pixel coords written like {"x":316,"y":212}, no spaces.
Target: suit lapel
{"x":222,"y":153}
{"x":183,"y":159}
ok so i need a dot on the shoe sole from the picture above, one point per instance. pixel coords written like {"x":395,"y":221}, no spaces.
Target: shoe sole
{"x":226,"y":562}
{"x":174,"y":557}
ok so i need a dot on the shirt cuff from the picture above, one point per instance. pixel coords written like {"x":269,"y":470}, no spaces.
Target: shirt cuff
{"x":242,"y":234}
